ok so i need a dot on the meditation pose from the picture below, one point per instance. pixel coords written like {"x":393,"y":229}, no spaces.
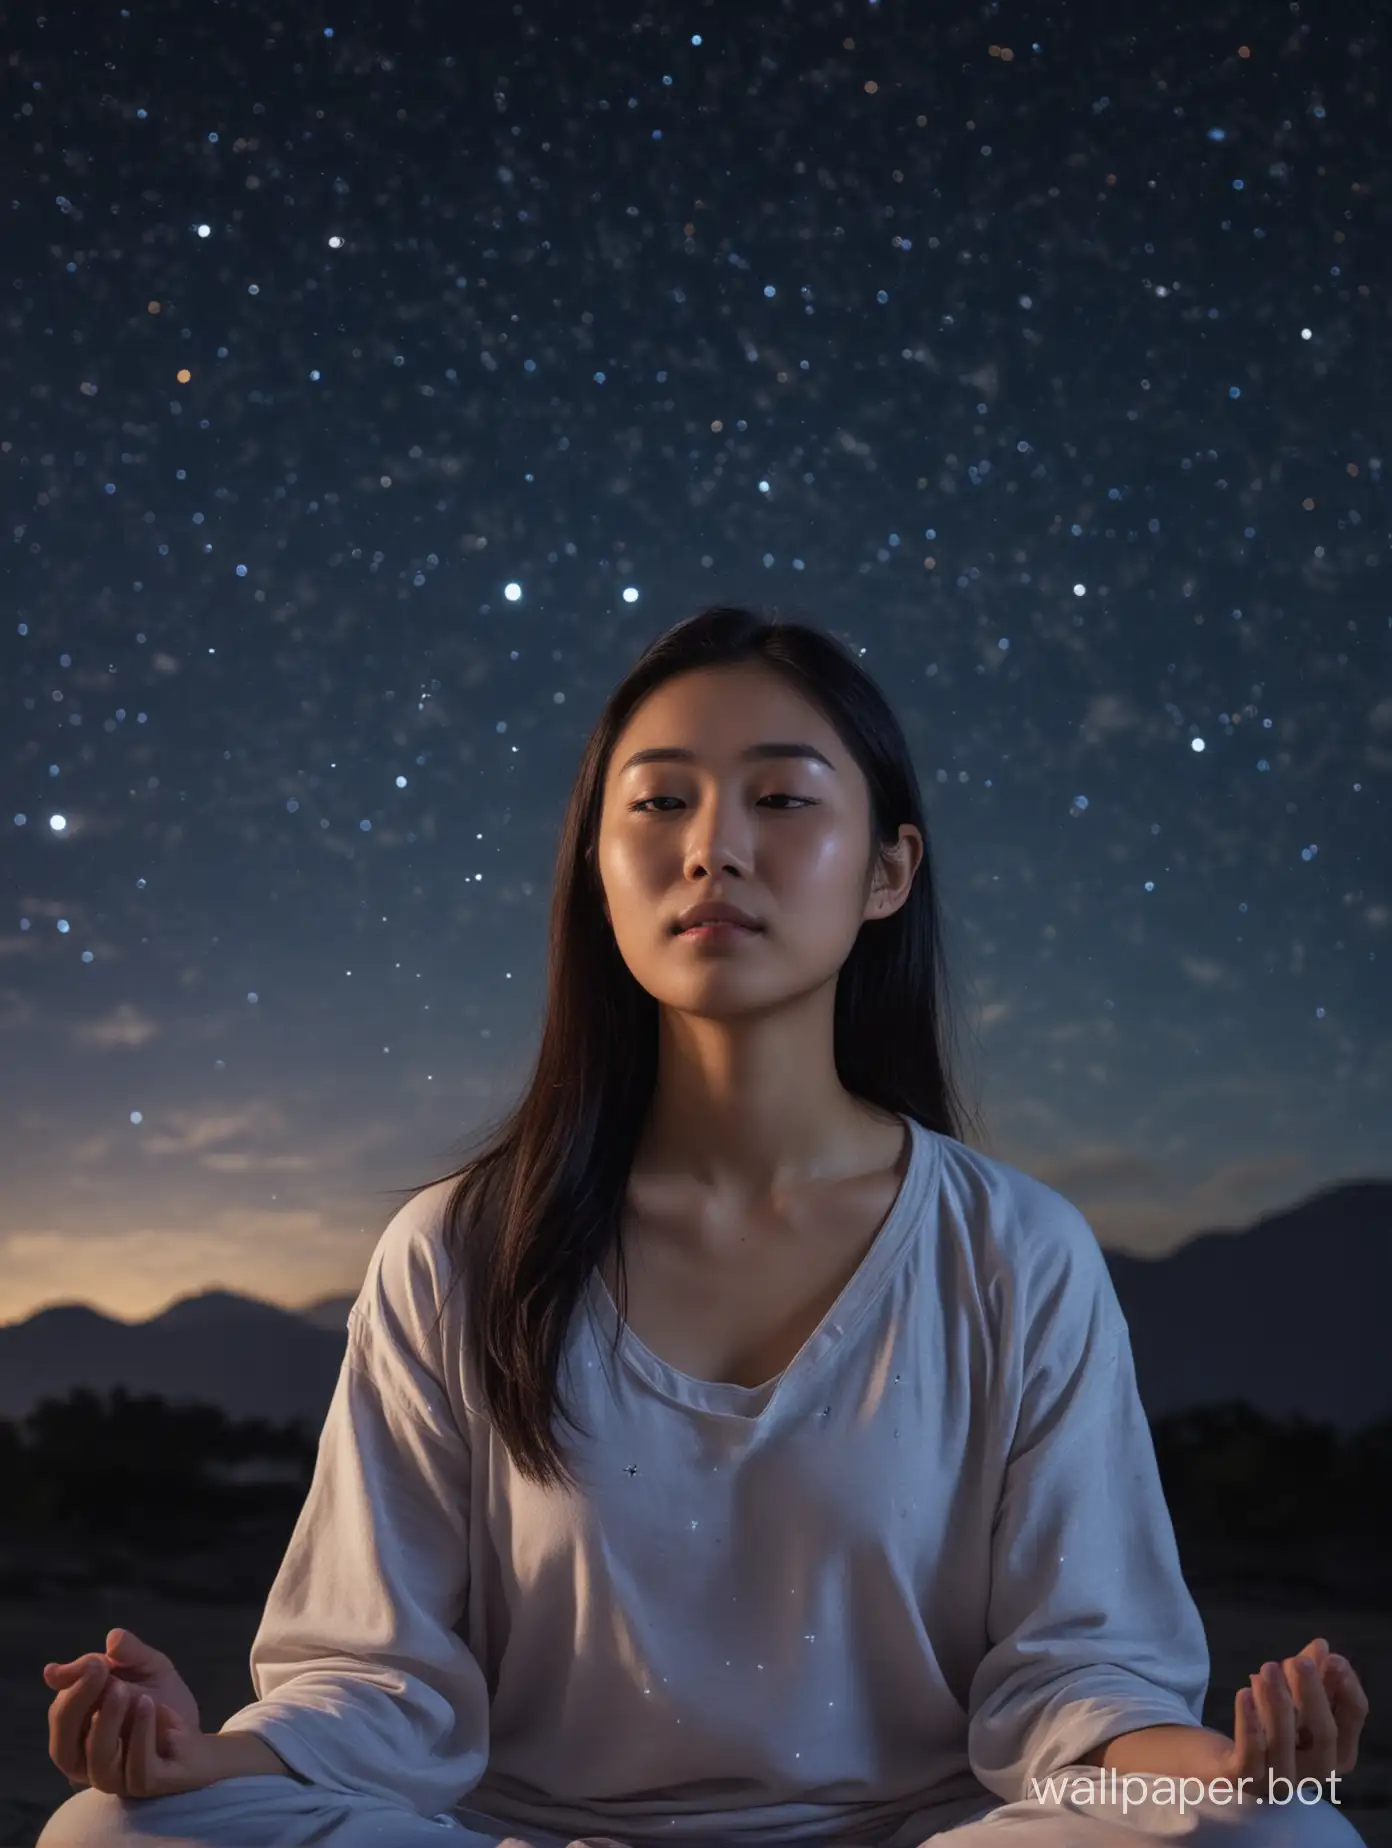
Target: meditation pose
{"x":729,"y":1454}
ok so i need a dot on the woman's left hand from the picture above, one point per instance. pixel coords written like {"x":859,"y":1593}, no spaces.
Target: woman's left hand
{"x":1301,"y":1718}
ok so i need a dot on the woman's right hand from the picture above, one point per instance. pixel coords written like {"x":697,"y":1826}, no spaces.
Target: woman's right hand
{"x":126,"y":1723}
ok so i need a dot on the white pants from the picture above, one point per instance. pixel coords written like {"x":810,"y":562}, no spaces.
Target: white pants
{"x":265,"y":1812}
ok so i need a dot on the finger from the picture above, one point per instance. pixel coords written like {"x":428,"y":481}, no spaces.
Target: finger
{"x":1348,"y":1687}
{"x":126,"y":1705}
{"x":1250,"y":1742}
{"x":1317,"y":1734}
{"x":1278,"y":1719}
{"x":140,"y":1749}
{"x":104,"y":1741}
{"x":68,"y":1717}
{"x":96,"y":1740}
{"x":124,"y":1702}
{"x":1350,"y":1707}
{"x":1318,"y":1651}
{"x":63,"y":1674}
{"x":167,"y":1730}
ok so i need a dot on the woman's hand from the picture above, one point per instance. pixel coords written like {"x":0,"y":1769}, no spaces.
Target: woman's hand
{"x":126,"y":1723}
{"x":1300,"y":1718}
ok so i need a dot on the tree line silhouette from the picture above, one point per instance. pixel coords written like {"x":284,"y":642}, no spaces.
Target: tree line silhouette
{"x":146,"y":1481}
{"x":140,"y":1478}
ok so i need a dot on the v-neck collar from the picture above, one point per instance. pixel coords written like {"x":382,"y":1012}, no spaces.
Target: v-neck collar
{"x":872,"y":1272}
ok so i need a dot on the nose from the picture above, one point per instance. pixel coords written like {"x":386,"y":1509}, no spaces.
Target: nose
{"x":717,"y":840}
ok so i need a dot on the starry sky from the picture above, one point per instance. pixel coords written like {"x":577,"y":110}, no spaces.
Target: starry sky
{"x":372,"y":393}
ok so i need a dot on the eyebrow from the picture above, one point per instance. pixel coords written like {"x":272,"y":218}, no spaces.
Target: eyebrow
{"x":671,"y":753}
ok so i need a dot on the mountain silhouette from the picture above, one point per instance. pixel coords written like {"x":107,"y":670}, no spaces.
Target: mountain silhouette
{"x":252,"y":1358}
{"x":1288,"y":1315}
{"x":329,"y":1312}
{"x":211,"y":1308}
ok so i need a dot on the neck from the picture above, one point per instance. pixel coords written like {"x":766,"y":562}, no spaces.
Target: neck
{"x":749,"y":1110}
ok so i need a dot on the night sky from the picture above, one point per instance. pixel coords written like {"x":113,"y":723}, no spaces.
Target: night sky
{"x":372,"y":393}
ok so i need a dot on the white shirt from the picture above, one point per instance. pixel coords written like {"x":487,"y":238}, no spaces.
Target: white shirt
{"x":928,"y":1562}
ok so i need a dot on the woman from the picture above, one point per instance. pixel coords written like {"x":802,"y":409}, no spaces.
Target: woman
{"x":861,"y":1538}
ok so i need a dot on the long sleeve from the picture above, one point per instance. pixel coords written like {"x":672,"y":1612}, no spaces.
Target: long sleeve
{"x":362,"y":1683}
{"x":1092,"y":1630}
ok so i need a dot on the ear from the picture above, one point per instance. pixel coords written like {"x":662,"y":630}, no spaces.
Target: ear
{"x":892,"y":872}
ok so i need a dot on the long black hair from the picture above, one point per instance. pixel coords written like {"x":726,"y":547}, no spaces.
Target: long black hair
{"x":537,"y":1208}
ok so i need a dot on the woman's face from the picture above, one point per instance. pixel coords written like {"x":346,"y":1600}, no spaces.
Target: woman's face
{"x":786,"y":838}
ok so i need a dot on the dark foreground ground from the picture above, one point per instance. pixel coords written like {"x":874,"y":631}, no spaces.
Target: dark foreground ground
{"x":210,"y":1644}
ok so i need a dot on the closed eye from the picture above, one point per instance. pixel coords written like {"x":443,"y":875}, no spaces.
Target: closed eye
{"x":806,"y":801}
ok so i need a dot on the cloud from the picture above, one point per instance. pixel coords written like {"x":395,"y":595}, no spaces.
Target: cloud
{"x":124,"y":1025}
{"x":1200,"y":969}
{"x":192,"y":1132}
{"x":133,"y":1272}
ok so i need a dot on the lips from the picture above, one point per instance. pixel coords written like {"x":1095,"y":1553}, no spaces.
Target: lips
{"x":714,"y":913}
